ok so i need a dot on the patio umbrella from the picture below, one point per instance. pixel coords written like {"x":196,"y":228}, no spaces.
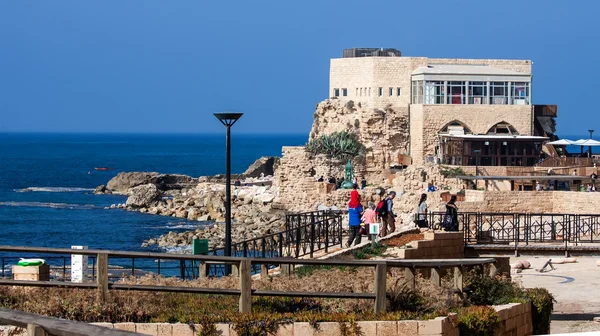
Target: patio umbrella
{"x":587,"y":142}
{"x":561,"y":142}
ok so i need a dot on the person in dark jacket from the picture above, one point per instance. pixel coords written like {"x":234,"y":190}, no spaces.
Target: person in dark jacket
{"x":451,"y":216}
{"x":354,"y":215}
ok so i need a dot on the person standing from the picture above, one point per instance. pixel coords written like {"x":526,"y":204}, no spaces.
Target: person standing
{"x":354,"y":212}
{"x":363,"y":183}
{"x":370,"y":216}
{"x":538,"y":186}
{"x":422,"y":212}
{"x":388,"y":219}
{"x":451,"y":216}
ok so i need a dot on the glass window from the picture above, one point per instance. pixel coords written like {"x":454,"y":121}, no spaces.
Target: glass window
{"x":369,"y":92}
{"x":417,"y":92}
{"x":455,"y":93}
{"x":336,"y":92}
{"x":520,"y":93}
{"x":398,"y":91}
{"x":380,"y":91}
{"x":433,"y":92}
{"x":391,"y":92}
{"x":345,"y":92}
{"x":499,"y":93}
{"x":477,"y":93}
{"x":361,"y":93}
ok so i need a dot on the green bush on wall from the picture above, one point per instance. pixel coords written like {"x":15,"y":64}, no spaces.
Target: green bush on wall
{"x":478,"y":321}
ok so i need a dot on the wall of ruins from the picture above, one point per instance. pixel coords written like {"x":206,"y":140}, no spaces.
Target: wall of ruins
{"x":531,"y":202}
{"x":384,"y":132}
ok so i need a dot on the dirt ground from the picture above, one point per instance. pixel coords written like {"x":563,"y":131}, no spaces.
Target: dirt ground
{"x":575,"y":286}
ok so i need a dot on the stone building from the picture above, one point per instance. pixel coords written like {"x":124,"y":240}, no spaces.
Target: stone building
{"x":455,"y":111}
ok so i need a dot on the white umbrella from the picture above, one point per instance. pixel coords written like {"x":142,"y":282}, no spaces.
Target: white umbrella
{"x":587,"y":142}
{"x":561,"y":142}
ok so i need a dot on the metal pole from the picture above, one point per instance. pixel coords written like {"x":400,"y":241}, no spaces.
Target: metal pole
{"x":228,"y":199}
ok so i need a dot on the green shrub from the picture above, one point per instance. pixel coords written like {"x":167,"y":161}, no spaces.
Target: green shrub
{"x":401,"y":297}
{"x":542,"y":304}
{"x":487,"y":291}
{"x":478,"y":321}
{"x":452,"y":172}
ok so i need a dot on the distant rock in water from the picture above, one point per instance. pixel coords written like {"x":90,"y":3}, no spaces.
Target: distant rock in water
{"x":264,"y":165}
{"x":101,"y":189}
{"x":143,"y":196}
{"x":123,"y":181}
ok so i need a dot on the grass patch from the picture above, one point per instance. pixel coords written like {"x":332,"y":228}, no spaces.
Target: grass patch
{"x":370,"y":251}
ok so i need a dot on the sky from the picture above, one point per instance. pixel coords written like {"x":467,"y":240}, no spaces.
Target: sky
{"x":158,"y":66}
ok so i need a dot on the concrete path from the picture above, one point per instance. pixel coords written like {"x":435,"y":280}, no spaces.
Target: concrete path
{"x":576,"y":287}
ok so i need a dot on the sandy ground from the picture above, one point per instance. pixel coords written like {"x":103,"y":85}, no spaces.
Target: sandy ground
{"x":576,"y":288}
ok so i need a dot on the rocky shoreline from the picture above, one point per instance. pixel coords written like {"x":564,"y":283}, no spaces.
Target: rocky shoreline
{"x":202,"y":200}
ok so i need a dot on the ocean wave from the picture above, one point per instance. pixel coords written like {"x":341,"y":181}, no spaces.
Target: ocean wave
{"x":182,"y":225}
{"x":54,"y":189}
{"x":47,"y":205}
{"x":179,"y":249}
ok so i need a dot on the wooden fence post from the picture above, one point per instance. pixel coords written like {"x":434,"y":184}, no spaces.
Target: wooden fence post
{"x":435,"y":276}
{"x":245,"y":274}
{"x":264,"y":271}
{"x":102,"y":277}
{"x":35,"y":330}
{"x":493,"y":270}
{"x":380,"y":288}
{"x":459,"y":272}
{"x":410,"y":277}
{"x":203,"y":270}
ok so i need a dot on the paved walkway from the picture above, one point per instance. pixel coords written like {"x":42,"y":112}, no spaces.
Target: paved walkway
{"x":576,"y":287}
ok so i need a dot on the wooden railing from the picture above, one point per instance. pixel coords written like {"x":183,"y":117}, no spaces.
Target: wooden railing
{"x":566,"y":161}
{"x":38,"y":325}
{"x":244,"y":266}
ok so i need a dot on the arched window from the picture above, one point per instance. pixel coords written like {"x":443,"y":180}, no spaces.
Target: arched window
{"x":503,"y":128}
{"x":455,"y":128}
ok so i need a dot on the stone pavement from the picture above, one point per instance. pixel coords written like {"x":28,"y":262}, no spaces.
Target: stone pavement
{"x":575,"y":287}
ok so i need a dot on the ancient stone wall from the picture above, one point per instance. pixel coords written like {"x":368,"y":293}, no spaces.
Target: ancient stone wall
{"x":384,"y":132}
{"x":531,"y":201}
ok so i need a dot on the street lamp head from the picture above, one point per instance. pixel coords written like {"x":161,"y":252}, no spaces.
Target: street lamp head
{"x":228,"y":118}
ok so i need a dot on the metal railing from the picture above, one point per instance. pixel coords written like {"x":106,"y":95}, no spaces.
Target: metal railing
{"x":102,"y":284}
{"x":305,"y":234}
{"x":524,"y":228}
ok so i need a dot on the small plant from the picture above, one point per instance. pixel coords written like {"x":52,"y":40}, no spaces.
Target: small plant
{"x":478,"y":321}
{"x":452,"y":172}
{"x":542,"y":304}
{"x":350,"y":329}
{"x":207,"y":327}
{"x":401,"y":297}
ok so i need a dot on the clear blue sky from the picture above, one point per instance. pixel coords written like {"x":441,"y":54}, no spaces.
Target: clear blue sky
{"x":166,"y":66}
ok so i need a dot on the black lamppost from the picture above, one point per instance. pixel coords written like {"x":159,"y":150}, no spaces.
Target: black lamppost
{"x":228,"y":119}
{"x":590,"y":147}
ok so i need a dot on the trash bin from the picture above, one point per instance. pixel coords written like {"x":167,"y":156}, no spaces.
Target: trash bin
{"x":199,"y":246}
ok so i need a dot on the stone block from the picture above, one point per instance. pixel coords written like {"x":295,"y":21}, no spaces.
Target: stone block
{"x":126,"y":326}
{"x":408,"y":328}
{"x":367,"y":327}
{"x":147,"y":328}
{"x":104,"y":325}
{"x":386,"y":328}
{"x":286,"y":329}
{"x":503,"y":311}
{"x":425,"y":244}
{"x":182,"y":329}
{"x":164,"y":329}
{"x":303,"y":329}
{"x":432,"y":327}
{"x":511,"y":323}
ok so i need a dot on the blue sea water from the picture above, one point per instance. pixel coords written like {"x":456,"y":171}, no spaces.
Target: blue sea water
{"x":47,"y":182}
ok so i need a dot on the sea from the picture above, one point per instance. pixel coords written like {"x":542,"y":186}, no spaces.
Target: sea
{"x":47,"y":183}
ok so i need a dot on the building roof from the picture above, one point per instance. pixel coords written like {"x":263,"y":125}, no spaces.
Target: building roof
{"x":453,"y":69}
{"x":494,"y":137}
{"x":521,"y":178}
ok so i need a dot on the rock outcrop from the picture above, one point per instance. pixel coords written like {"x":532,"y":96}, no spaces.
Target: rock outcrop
{"x":124,"y":181}
{"x":264,"y":165}
{"x":143,"y":196}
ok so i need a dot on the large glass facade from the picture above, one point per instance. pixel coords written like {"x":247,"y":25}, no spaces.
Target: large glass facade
{"x":471,"y":92}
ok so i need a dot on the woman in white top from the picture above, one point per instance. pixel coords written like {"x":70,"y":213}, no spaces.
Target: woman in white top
{"x":422,"y":212}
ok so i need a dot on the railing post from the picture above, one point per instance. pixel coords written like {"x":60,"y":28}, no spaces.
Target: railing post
{"x":102,"y":279}
{"x":264,"y":271}
{"x":203,"y":270}
{"x":380,"y":288}
{"x":326,"y":235}
{"x":435,"y":276}
{"x":182,"y":269}
{"x":410,"y":277}
{"x":35,"y":330}
{"x":297,"y":242}
{"x":312,"y":234}
{"x":458,"y":277}
{"x":245,"y":271}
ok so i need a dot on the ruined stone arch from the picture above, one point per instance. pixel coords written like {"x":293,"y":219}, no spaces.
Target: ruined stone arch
{"x":503,"y":128}
{"x":455,"y":125}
